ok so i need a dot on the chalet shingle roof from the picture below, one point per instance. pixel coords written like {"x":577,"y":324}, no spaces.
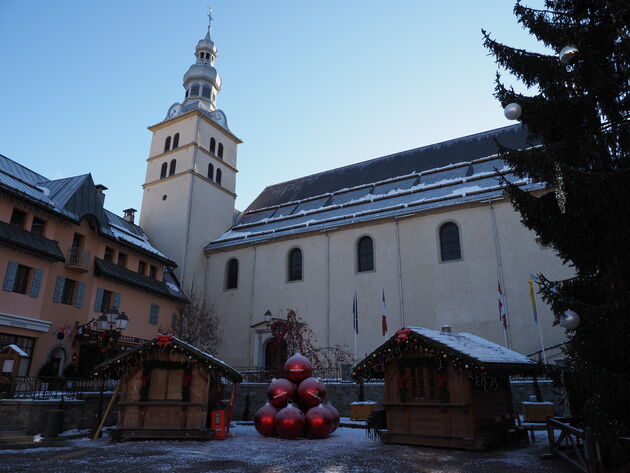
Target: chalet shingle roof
{"x":465,"y":349}
{"x":226,"y":370}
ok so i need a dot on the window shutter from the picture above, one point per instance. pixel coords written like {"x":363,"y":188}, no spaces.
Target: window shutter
{"x":9,"y":279}
{"x":116,"y":304}
{"x":153,"y":315}
{"x":80,"y":292}
{"x":59,"y":288}
{"x":37,"y":282}
{"x":98,"y":303}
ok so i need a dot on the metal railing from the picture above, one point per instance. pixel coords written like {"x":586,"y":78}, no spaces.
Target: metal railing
{"x":336,"y":374}
{"x":41,"y":388}
{"x":78,"y":258}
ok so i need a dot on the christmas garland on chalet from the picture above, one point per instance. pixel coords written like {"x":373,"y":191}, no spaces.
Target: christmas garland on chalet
{"x":482,"y":361}
{"x":143,"y":356}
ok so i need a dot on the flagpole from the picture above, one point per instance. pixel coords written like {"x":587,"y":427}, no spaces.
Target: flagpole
{"x":497,"y":249}
{"x":542,"y":344}
{"x":532,"y":297}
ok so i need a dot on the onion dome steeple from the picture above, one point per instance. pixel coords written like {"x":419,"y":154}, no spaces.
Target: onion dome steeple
{"x":201,"y":81}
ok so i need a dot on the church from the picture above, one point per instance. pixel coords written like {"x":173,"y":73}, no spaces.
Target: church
{"x":423,"y":237}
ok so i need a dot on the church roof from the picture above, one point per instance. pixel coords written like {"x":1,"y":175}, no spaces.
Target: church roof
{"x":72,"y":198}
{"x":453,"y":172}
{"x":398,"y":164}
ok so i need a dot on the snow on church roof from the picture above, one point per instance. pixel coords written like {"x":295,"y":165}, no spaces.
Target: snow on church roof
{"x":454,"y":172}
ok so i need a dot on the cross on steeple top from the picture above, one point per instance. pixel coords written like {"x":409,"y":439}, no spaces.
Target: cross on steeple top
{"x":209,"y":18}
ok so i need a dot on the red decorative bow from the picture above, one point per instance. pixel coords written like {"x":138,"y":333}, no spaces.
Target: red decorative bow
{"x":186,"y":380}
{"x":144,"y":381}
{"x":164,"y":340}
{"x":402,"y":334}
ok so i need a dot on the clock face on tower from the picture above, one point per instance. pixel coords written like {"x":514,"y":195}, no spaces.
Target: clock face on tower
{"x":174,"y":110}
{"x":219,"y":117}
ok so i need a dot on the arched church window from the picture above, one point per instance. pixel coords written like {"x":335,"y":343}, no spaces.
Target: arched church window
{"x":210,"y":171}
{"x":171,"y":171}
{"x":231,"y":274}
{"x":164,"y":170}
{"x":294,"y":267}
{"x":220,"y":151}
{"x":167,"y":144}
{"x":365,"y":254}
{"x":194,"y":90}
{"x":218,"y":179}
{"x":205,"y":91}
{"x":176,"y":140}
{"x":213,"y":145}
{"x":450,"y":248}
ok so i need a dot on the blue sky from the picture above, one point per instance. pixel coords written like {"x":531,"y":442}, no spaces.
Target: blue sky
{"x":308,"y":86}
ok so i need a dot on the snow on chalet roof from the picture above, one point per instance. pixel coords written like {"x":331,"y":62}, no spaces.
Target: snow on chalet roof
{"x":473,"y":346}
{"x":17,"y":350}
{"x":227,"y":371}
{"x":445,"y":174}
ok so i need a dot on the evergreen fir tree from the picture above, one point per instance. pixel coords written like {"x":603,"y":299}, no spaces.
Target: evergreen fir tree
{"x":579,"y":114}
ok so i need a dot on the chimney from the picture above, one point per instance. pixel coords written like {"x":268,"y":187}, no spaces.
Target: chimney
{"x":101,"y":195}
{"x":446,"y":328}
{"x":129,"y":215}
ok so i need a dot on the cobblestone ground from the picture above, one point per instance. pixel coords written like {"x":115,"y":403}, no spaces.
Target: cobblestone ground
{"x":345,"y":451}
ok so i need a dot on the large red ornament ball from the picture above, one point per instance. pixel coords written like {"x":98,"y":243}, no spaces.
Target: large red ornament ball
{"x":297,"y":368}
{"x":279,"y":392}
{"x":335,"y":414}
{"x":265,"y":420}
{"x":311,"y":392}
{"x":290,"y":422}
{"x":319,"y":421}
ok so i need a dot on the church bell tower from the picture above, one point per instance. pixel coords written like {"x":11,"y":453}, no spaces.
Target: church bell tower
{"x":189,"y":188}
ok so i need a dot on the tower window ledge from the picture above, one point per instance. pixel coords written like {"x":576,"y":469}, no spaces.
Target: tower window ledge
{"x":170,"y":151}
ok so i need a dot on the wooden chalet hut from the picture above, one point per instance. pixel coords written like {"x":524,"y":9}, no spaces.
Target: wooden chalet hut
{"x":170,"y":389}
{"x":443,"y":388}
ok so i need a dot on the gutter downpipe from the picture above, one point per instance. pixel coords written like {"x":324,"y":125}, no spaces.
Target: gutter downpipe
{"x":251,"y":310}
{"x":506,"y":332}
{"x":327,"y":290}
{"x":401,"y":294}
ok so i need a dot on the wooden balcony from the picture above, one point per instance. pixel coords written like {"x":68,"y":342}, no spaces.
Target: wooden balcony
{"x":78,"y":259}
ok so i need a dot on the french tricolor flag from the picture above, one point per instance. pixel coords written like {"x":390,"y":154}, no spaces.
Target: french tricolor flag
{"x":384,"y":315}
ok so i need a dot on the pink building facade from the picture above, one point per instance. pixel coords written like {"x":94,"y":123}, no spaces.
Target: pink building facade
{"x":64,"y":261}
